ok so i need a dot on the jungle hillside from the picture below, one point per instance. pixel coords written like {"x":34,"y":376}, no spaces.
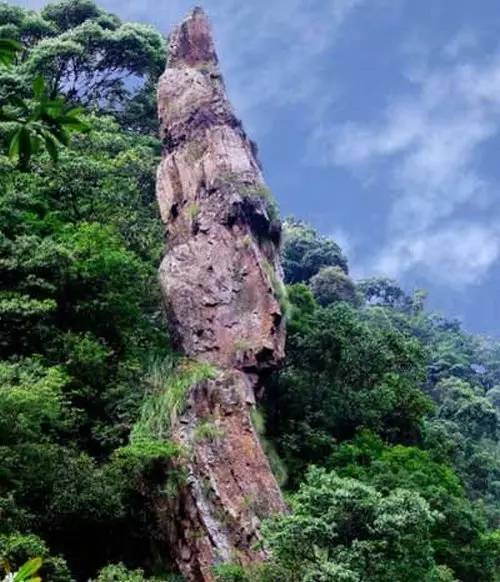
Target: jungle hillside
{"x":381,"y":426}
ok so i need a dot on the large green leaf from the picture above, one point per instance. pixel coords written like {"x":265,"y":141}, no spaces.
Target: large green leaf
{"x":51,"y":146}
{"x":14,"y":143}
{"x":39,"y":87}
{"x":40,"y":122}
{"x":8,"y":50}
{"x":27,"y":570}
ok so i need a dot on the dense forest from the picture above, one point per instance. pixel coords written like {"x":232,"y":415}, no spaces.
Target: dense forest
{"x":382,"y":426}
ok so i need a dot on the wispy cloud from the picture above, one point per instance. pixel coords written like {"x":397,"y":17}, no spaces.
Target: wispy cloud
{"x":272,"y":51}
{"x":345,"y":240}
{"x":460,"y":43}
{"x":426,"y":146}
{"x":458,"y":254}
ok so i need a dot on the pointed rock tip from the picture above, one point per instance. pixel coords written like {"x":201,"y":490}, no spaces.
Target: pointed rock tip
{"x":191,"y":43}
{"x":197,"y":11}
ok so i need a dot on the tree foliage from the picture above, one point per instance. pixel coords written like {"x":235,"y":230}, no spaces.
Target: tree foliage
{"x":343,"y":529}
{"x":342,"y":375}
{"x":89,"y":56}
{"x":384,"y":416}
{"x":39,"y":122}
{"x":42,"y":121}
{"x":79,"y":320}
{"x":8,"y":51}
{"x":305,"y":252}
{"x":392,"y":397}
{"x":331,"y":285}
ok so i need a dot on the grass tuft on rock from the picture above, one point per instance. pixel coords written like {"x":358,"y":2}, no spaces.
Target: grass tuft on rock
{"x":168,"y":384}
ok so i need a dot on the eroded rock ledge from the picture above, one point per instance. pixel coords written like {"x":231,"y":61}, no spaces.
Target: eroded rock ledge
{"x":222,"y":287}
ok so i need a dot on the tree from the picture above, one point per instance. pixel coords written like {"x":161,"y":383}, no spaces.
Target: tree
{"x":385,"y":292}
{"x":459,"y":536}
{"x":331,"y":285}
{"x":342,"y":529}
{"x":305,"y":252}
{"x":468,"y":408}
{"x":303,"y":305}
{"x":89,"y":56}
{"x":79,"y":319}
{"x":343,"y":374}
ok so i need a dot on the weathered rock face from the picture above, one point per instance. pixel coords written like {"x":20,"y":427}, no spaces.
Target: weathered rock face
{"x":222,"y":287}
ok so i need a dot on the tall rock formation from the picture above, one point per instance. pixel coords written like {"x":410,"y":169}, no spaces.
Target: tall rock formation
{"x":223,"y":292}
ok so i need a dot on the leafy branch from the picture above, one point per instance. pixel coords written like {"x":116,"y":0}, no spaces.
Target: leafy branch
{"x":26,"y":572}
{"x":38,"y":122}
{"x":8,"y":51}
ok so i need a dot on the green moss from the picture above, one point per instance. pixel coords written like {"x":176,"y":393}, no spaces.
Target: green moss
{"x":246,"y":240}
{"x":193,"y":210}
{"x":144,"y":451}
{"x":230,"y":573}
{"x":194,"y":151}
{"x":252,"y":192}
{"x":230,"y":179}
{"x":242,"y":345}
{"x":258,"y":421}
{"x":221,"y":515}
{"x":205,"y":67}
{"x":261,"y":192}
{"x":278,"y":467}
{"x":207,"y":430}
{"x":279,"y":288}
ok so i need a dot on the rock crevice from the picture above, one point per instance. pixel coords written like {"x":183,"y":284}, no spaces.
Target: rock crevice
{"x":223,"y":292}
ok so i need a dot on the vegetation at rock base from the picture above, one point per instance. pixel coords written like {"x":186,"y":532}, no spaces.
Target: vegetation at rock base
{"x":79,"y":313}
{"x":382,"y":425}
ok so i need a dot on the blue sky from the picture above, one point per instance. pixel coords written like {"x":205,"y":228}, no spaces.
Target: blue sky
{"x":379,"y":122}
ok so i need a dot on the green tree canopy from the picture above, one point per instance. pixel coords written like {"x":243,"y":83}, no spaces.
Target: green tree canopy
{"x":342,"y":529}
{"x":87,"y":55}
{"x":305,"y":252}
{"x":331,"y":285}
{"x":342,"y":374}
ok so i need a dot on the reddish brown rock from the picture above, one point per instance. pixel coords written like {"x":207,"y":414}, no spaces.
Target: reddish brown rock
{"x":222,"y":286}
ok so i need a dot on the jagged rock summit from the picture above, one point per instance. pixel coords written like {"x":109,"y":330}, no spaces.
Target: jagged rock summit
{"x":224,"y":297}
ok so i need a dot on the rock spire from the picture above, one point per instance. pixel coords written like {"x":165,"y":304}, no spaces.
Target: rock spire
{"x":224,"y":297}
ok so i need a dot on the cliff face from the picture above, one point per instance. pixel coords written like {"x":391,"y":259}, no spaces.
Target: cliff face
{"x":222,"y":287}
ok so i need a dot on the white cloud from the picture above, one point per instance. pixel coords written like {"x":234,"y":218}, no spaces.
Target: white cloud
{"x":345,"y":240}
{"x":426,"y":146}
{"x":459,"y":254}
{"x":462,"y":42}
{"x":272,"y":51}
